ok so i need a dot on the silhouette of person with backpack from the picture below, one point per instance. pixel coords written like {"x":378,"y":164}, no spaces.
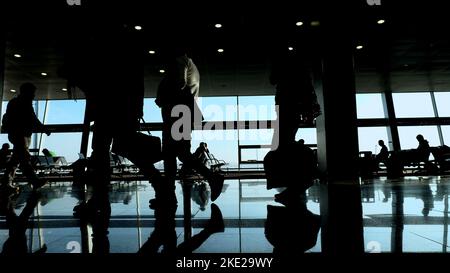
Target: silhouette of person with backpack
{"x":109,"y":69}
{"x":176,"y":95}
{"x":20,"y":122}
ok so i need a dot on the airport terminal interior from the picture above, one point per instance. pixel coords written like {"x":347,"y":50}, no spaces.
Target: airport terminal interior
{"x":379,"y":73}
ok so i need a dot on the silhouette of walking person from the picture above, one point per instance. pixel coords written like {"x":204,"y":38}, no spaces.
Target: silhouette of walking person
{"x":110,"y":71}
{"x":383,"y":155}
{"x":178,"y":91}
{"x":20,"y":122}
{"x":423,"y":150}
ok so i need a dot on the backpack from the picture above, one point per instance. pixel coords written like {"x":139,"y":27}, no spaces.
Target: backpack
{"x":5,"y":122}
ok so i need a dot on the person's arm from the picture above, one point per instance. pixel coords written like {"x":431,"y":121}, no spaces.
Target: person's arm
{"x":39,"y":125}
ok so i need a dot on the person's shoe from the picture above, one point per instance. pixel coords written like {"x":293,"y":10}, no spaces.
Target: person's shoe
{"x":216,"y":185}
{"x":37,"y":184}
{"x":216,"y":223}
{"x":9,"y":189}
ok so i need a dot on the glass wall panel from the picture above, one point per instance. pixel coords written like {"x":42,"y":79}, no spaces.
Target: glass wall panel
{"x":370,"y":106}
{"x":443,"y":103}
{"x":257,"y":108}
{"x":63,"y":111}
{"x":368,"y":138}
{"x":413,"y":105}
{"x":408,"y":136}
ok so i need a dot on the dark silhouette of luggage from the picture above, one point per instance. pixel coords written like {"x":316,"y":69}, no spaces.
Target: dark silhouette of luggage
{"x":294,"y":166}
{"x":139,"y":148}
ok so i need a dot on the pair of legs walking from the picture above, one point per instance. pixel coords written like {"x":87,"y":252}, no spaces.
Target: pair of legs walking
{"x":20,"y":156}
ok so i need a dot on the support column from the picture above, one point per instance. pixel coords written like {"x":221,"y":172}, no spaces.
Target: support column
{"x":393,"y":128}
{"x":337,"y":140}
{"x":85,"y":134}
{"x":2,"y":67}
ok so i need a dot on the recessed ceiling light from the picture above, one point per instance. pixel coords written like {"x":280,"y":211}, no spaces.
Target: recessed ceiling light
{"x":359,"y":47}
{"x":162,"y":71}
{"x":13,"y":90}
{"x":299,"y":24}
{"x":220,"y":50}
{"x":380,"y":22}
{"x":151,"y":51}
{"x":64,"y":89}
{"x":290,"y":48}
{"x":17,"y":55}
{"x":218,"y":25}
{"x":137,"y":27}
{"x":44,"y":74}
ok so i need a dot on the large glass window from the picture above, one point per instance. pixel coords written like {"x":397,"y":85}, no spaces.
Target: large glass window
{"x":413,"y":105}
{"x":368,"y":138}
{"x":63,"y":144}
{"x":218,"y":108}
{"x":443,"y":103}
{"x":152,"y":113}
{"x":257,"y":108}
{"x":370,"y":106}
{"x":408,"y":136}
{"x":308,"y":134}
{"x":223,"y":144}
{"x":446,"y":134}
{"x":63,"y":111}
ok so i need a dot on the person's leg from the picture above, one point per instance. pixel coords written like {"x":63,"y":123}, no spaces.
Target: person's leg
{"x":11,"y":166}
{"x":288,"y":122}
{"x":25,"y":163}
{"x":100,"y":159}
{"x":165,"y":187}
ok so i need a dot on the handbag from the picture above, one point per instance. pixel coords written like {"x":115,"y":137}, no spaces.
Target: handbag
{"x":139,"y":148}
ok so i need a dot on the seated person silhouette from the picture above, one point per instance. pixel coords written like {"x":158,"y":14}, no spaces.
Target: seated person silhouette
{"x":202,"y":153}
{"x":5,"y":155}
{"x":383,"y":155}
{"x":423,"y":150}
{"x":48,"y":153}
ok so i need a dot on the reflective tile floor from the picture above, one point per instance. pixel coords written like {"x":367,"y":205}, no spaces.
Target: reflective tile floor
{"x":407,"y":215}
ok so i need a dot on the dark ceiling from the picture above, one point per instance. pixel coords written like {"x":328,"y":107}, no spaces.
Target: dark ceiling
{"x":411,"y":49}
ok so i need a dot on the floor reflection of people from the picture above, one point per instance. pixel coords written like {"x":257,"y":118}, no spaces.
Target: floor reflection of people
{"x":164,"y":235}
{"x":426,"y":195}
{"x":16,"y":244}
{"x":289,"y":238}
{"x":214,"y":225}
{"x":96,"y":212}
